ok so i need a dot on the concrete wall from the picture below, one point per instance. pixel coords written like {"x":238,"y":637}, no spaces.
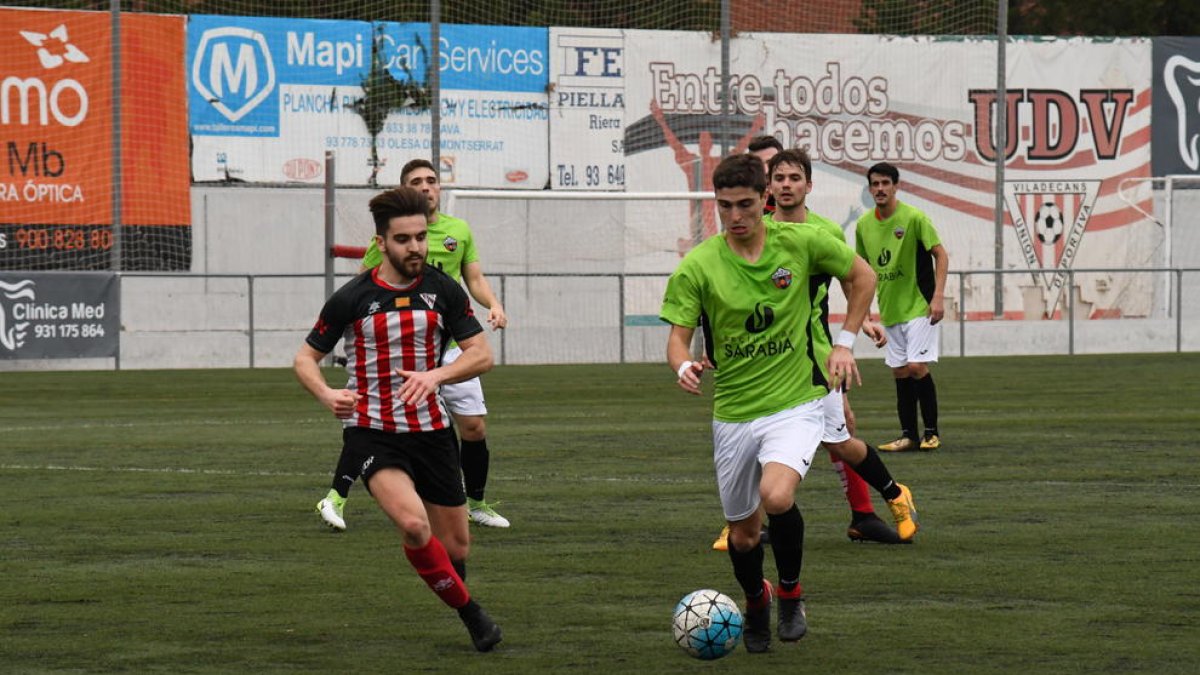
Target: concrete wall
{"x":191,"y":321}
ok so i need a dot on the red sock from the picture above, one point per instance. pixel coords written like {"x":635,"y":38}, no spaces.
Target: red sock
{"x":856,"y":489}
{"x":433,"y":565}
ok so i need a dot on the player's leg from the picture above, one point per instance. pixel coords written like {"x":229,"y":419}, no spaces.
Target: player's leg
{"x":896,"y":358}
{"x":789,"y":440}
{"x":467,"y":406}
{"x":430,"y":514}
{"x":864,"y":524}
{"x":735,"y":457}
{"x":923,"y":350}
{"x":332,"y":506}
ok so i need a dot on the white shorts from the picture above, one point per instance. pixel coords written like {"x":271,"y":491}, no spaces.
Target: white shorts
{"x":835,"y":418}
{"x":914,"y":341}
{"x":740,"y":449}
{"x":466,"y":397}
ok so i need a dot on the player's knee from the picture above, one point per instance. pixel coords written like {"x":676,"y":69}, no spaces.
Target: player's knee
{"x":472,"y":428}
{"x":457,"y":547}
{"x":777,"y":499}
{"x":415,"y":529}
{"x":918,"y":370}
{"x":848,"y":450}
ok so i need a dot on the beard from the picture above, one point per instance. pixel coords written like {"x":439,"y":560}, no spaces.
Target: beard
{"x":408,"y":266}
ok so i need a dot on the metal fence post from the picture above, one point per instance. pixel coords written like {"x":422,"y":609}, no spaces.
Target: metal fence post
{"x":962,"y":314}
{"x":250,"y":295}
{"x":503,"y":301}
{"x":621,"y":312}
{"x":1071,"y":312}
{"x":1178,"y":310}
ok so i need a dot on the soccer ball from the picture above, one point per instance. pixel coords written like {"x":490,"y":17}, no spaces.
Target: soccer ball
{"x":707,"y":624}
{"x":1048,"y":223}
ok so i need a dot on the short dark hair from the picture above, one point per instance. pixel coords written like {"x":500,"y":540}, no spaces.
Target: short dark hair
{"x":397,"y":203}
{"x":884,"y":169}
{"x":763,"y":142}
{"x":413,"y":165}
{"x":738,"y":171}
{"x":795,"y":156}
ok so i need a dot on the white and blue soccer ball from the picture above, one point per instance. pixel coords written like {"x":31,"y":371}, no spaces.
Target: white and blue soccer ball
{"x":707,"y":624}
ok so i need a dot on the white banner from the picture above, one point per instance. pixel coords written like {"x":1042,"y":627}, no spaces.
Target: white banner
{"x":587,"y":109}
{"x":1078,"y":111}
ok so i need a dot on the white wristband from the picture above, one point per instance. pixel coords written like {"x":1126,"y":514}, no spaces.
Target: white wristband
{"x":845,"y":339}
{"x":683,"y":367}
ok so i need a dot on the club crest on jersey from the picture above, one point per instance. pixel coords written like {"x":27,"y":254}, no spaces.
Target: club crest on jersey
{"x":782,"y":278}
{"x":430,"y":299}
{"x":899,"y":232}
{"x":451,"y":244}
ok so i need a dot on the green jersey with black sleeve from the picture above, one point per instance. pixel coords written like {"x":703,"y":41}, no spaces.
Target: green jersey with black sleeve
{"x":898,"y":249}
{"x":818,"y":285}
{"x":756,"y":318}
{"x":451,"y":245}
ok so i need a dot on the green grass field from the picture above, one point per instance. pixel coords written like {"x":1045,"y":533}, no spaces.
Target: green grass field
{"x":162,"y":522}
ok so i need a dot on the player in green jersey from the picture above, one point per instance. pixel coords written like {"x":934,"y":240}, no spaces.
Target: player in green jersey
{"x":452,"y":250}
{"x":748,"y":288}
{"x":900,"y":243}
{"x":789,"y":175}
{"x":789,"y":182}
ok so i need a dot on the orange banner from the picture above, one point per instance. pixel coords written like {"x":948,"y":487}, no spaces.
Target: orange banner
{"x":56,"y":122}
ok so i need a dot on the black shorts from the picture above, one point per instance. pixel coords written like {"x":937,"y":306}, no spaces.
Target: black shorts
{"x":430,"y":458}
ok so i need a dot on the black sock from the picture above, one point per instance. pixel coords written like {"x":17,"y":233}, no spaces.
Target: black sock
{"x":906,"y":406}
{"x":348,"y":470}
{"x":877,"y":475}
{"x":748,"y":569}
{"x":460,"y":566}
{"x":927,"y":395}
{"x":475,"y":467}
{"x":857,"y":517}
{"x":787,"y":542}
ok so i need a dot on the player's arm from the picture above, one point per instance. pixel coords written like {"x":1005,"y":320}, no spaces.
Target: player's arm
{"x":307,"y":366}
{"x":679,"y":357}
{"x":941,"y":265}
{"x":476,"y":359}
{"x":858,"y":285}
{"x":481,"y":290}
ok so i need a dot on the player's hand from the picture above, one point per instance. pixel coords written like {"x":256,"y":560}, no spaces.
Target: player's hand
{"x":843,"y":369}
{"x":851,"y":421}
{"x":689,"y":377}
{"x":496,"y":317}
{"x":937,"y":310}
{"x":418,"y":385}
{"x":876,"y":332}
{"x":341,"y":402}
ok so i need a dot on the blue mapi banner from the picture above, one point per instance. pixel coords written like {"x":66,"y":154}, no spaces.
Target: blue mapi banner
{"x":52,"y":315}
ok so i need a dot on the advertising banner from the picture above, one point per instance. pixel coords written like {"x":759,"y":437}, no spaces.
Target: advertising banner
{"x":54,"y":315}
{"x":1176,"y":136}
{"x":1078,"y":126}
{"x":56,"y":126}
{"x":587,"y":109}
{"x":269,"y":96}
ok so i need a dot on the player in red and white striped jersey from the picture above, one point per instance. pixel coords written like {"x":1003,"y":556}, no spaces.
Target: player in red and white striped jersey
{"x":397,"y":321}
